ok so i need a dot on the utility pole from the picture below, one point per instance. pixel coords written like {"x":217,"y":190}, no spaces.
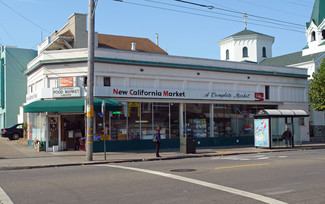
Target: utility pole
{"x":90,"y":81}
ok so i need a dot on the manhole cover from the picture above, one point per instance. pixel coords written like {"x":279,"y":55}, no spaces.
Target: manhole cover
{"x":183,"y":170}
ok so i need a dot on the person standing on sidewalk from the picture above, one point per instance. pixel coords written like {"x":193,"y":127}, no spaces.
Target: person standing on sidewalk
{"x":287,"y":136}
{"x":158,"y":141}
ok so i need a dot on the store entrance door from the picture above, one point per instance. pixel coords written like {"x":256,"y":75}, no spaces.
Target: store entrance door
{"x":73,"y":128}
{"x":53,"y":133}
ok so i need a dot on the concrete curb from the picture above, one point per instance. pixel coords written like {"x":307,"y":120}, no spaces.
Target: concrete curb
{"x":188,"y":156}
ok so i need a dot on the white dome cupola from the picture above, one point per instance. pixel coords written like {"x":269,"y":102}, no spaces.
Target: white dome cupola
{"x":246,"y":46}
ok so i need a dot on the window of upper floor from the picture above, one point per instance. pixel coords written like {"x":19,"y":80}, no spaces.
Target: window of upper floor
{"x":30,"y":89}
{"x":323,"y":34}
{"x":38,"y":85}
{"x":267,"y":92}
{"x":53,"y":83}
{"x":227,"y":54}
{"x":264,"y":52}
{"x":313,"y":36}
{"x":85,"y":81}
{"x":245,"y":52}
{"x":107,"y":81}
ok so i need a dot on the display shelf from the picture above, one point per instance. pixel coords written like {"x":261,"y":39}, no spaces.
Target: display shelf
{"x":196,"y":127}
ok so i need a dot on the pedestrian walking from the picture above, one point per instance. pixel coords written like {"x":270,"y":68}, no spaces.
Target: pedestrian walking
{"x":287,"y":136}
{"x":157,"y":140}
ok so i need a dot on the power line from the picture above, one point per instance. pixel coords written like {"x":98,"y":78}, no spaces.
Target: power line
{"x":3,"y":28}
{"x":209,"y":16}
{"x":298,"y":3}
{"x":17,"y":62}
{"x":193,"y":9}
{"x":167,"y":9}
{"x":238,"y":12}
{"x":273,"y":9}
{"x":267,"y":20}
{"x":202,"y":5}
{"x":24,"y":17}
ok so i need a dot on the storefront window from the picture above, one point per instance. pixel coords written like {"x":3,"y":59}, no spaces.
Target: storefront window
{"x":219,"y":120}
{"x":161,"y":118}
{"x":134,"y":122}
{"x":245,"y":120}
{"x":197,"y":119}
{"x":235,"y":120}
{"x":138,"y":120}
{"x":174,"y":120}
{"x":230,"y":121}
{"x":36,"y":126}
{"x":119,"y":121}
{"x":147,"y":128}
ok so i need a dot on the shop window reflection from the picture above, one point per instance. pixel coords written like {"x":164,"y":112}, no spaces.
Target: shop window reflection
{"x":146,"y":121}
{"x":197,"y":118}
{"x":174,"y":120}
{"x":235,"y":120}
{"x":118,"y":123}
{"x":134,"y":122}
{"x":161,"y":118}
{"x":117,"y":129}
{"x":138,"y":120}
{"x":141,"y":119}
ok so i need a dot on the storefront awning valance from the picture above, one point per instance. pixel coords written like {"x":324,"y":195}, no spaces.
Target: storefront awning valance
{"x":278,"y":113}
{"x":68,"y":105}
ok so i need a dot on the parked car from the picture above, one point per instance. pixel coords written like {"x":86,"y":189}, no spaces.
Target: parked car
{"x":14,"y":132}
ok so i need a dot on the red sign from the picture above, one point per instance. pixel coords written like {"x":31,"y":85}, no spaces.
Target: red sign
{"x":259,"y":96}
{"x":66,"y":82}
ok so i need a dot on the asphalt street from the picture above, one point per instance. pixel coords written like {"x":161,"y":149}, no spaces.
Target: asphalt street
{"x":272,"y":177}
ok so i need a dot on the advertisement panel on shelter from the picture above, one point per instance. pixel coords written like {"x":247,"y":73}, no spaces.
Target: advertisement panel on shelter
{"x":261,"y":132}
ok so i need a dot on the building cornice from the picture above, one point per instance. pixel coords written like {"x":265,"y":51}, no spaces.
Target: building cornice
{"x":163,"y":64}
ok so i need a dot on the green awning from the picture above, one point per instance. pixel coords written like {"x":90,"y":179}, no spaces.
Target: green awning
{"x":68,"y":105}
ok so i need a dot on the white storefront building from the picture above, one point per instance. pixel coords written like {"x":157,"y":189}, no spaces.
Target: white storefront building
{"x":212,"y":100}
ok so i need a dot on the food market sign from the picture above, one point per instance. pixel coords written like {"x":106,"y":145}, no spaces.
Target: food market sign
{"x":66,"y":92}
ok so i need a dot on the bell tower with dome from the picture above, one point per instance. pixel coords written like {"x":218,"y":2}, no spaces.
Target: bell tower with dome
{"x":246,"y":46}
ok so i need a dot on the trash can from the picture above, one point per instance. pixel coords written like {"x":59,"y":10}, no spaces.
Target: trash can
{"x":187,"y":145}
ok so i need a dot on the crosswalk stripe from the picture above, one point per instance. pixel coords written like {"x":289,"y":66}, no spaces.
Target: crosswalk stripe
{"x":203,"y":183}
{"x":4,"y":198}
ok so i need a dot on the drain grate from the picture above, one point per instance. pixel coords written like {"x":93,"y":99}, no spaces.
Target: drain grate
{"x":183,"y":170}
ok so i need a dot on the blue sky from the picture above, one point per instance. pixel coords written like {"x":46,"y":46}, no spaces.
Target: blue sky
{"x":193,"y":31}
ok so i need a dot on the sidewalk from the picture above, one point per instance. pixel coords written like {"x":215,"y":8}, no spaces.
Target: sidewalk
{"x":15,"y":155}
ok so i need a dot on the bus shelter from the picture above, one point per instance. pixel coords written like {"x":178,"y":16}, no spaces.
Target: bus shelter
{"x":270,"y":125}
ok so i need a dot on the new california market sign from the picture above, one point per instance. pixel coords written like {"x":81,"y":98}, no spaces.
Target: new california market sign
{"x":185,"y":94}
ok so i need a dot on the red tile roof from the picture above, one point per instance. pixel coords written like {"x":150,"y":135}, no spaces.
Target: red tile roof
{"x":125,"y":43}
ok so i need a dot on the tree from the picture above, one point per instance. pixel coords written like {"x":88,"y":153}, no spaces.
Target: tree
{"x":317,"y":88}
